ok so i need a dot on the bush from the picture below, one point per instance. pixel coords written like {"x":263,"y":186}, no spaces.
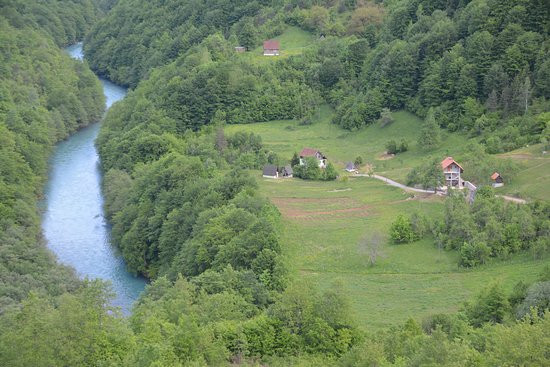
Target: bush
{"x":330,"y":174}
{"x":391,"y":147}
{"x":473,"y":254}
{"x":401,"y":230}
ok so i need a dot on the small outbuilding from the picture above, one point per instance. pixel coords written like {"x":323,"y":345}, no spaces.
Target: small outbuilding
{"x":240,"y":49}
{"x":272,"y":48}
{"x":350,"y":167}
{"x":287,"y":172}
{"x":270,"y":171}
{"x":497,"y":180}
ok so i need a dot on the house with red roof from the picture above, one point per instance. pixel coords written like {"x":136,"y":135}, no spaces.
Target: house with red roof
{"x":310,"y":152}
{"x":452,"y":171}
{"x":271,"y":48}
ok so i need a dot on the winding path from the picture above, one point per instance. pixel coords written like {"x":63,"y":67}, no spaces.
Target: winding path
{"x":414,"y":189}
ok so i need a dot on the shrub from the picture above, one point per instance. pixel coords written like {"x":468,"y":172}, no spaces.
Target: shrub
{"x":401,"y":230}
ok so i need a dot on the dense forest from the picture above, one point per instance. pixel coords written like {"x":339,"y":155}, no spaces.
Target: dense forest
{"x":44,"y":97}
{"x":186,"y":213}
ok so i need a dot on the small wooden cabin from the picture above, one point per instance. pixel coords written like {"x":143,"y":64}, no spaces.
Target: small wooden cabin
{"x":271,"y":48}
{"x":240,"y":49}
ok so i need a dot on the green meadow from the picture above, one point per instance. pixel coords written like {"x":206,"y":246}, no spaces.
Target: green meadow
{"x":341,"y":146}
{"x":532,"y":181}
{"x":292,"y":41}
{"x":325,"y":225}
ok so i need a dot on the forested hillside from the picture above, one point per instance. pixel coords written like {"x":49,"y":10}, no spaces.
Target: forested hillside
{"x":482,"y":65}
{"x":44,"y":96}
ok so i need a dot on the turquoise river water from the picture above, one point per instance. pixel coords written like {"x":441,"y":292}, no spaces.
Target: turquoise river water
{"x":73,"y":221}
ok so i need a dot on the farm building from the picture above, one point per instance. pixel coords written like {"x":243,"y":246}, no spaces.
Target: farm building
{"x":272,"y":171}
{"x":452,"y":171}
{"x":271,"y":48}
{"x":309,"y":152}
{"x":240,"y":49}
{"x":497,"y":180}
{"x":350,"y":167}
{"x":287,"y":172}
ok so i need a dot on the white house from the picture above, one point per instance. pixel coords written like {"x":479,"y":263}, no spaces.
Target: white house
{"x":309,"y":152}
{"x":452,"y":171}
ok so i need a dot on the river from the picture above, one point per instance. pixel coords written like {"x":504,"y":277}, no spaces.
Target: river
{"x":73,"y":221}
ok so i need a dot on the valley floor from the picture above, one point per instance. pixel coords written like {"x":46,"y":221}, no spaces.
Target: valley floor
{"x":325,"y":223}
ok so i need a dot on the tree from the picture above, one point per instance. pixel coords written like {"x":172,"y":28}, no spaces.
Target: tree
{"x":329,"y":173}
{"x":490,"y":306}
{"x":401,"y":230}
{"x":309,"y":170}
{"x":358,"y":161}
{"x":537,"y":297}
{"x":429,"y":134}
{"x":391,"y":147}
{"x":295,"y":160}
{"x":432,"y":176}
{"x":386,"y":117}
{"x":371,"y":246}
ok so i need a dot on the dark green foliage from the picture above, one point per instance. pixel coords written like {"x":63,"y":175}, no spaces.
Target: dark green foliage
{"x":330,"y":173}
{"x":537,"y":298}
{"x":490,"y":227}
{"x":490,"y":306}
{"x":167,"y":29}
{"x":429,"y":134}
{"x":44,"y":97}
{"x":310,"y":170}
{"x":393,"y":148}
{"x":429,"y":175}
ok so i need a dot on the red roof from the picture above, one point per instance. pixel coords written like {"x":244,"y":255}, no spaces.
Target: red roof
{"x":309,"y":152}
{"x":448,"y":161}
{"x":271,"y":45}
{"x":495,"y":176}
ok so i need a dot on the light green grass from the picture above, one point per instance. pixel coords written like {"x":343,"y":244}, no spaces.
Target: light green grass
{"x":341,"y":146}
{"x":321,"y":238}
{"x":293,"y":42}
{"x":533,"y":179}
{"x":324,"y":222}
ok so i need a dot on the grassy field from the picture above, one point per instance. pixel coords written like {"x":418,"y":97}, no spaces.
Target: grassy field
{"x":533,"y":179}
{"x":341,"y":146}
{"x":293,"y":41}
{"x":324,"y":224}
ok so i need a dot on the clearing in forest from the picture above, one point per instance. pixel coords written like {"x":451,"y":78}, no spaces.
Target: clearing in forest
{"x":326,"y":229}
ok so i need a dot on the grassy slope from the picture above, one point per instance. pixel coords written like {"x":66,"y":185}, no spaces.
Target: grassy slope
{"x":533,"y":178}
{"x":293,"y":41}
{"x":324,"y":223}
{"x":287,"y":137}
